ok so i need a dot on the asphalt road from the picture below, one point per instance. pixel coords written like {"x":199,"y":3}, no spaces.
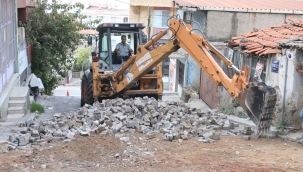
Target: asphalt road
{"x":73,"y":91}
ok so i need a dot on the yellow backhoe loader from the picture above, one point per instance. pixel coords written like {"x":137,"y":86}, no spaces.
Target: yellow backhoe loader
{"x":105,"y":81}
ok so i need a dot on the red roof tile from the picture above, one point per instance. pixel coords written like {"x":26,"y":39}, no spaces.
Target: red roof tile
{"x":266,"y":41}
{"x":284,"y":5}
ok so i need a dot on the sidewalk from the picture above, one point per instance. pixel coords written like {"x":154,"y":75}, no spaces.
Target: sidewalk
{"x":74,"y":82}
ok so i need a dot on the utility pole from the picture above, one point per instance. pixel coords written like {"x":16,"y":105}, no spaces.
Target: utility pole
{"x":148,"y":24}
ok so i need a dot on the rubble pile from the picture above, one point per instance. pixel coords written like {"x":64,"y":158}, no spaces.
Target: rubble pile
{"x":176,"y":120}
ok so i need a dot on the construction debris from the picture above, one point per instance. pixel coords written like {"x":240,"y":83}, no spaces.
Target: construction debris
{"x":175,"y":120}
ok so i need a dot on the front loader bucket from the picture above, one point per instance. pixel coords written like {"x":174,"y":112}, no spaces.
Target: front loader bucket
{"x":259,"y":101}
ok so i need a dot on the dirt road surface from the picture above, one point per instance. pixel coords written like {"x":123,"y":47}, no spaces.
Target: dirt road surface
{"x":107,"y":153}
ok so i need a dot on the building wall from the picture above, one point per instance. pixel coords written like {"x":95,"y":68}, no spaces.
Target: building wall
{"x":6,"y":92}
{"x":7,"y":41}
{"x":8,"y":53}
{"x":152,"y":3}
{"x":292,"y":85}
{"x":22,"y":55}
{"x":221,"y":26}
{"x":25,"y":3}
{"x":140,"y":14}
{"x":108,"y":15}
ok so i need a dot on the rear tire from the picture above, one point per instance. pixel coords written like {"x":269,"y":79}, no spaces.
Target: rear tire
{"x":159,"y":97}
{"x":87,"y":90}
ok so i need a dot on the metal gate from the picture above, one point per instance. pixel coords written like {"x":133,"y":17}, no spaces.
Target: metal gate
{"x":208,"y":91}
{"x":7,"y":41}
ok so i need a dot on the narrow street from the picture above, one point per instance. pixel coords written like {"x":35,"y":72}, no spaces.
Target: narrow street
{"x":73,"y":91}
{"x":139,"y":149}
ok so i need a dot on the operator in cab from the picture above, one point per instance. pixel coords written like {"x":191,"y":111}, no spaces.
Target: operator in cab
{"x":123,"y":50}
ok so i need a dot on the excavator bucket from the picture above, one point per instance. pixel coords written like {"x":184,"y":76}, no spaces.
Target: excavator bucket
{"x":259,"y":101}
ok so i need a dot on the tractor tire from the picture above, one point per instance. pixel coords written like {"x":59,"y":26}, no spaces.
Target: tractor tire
{"x":87,"y":90}
{"x":159,"y":97}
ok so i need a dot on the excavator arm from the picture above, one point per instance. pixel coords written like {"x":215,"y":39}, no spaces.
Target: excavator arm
{"x":257,"y":99}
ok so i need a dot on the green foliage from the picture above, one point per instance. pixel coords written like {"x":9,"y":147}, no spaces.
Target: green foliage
{"x":52,"y":31}
{"x":235,"y":103}
{"x":232,"y":112}
{"x":280,"y":132}
{"x":36,"y":107}
{"x":228,"y":111}
{"x":37,"y":116}
{"x":82,"y":62}
{"x":241,"y":115}
{"x":280,"y":125}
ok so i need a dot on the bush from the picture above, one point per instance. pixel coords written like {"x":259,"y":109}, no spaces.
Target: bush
{"x":280,"y":125}
{"x":82,"y":61}
{"x":77,"y":67}
{"x":235,"y":103}
{"x":36,"y":107}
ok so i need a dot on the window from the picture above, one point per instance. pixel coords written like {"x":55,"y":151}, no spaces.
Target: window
{"x":100,"y":18}
{"x":188,"y":17}
{"x":113,"y":19}
{"x":181,"y":73}
{"x":114,"y":43}
{"x":125,"y":19}
{"x":160,"y":18}
{"x":254,"y":61}
{"x":104,"y":48}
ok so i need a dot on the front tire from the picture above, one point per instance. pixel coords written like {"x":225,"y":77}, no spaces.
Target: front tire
{"x":87,"y":90}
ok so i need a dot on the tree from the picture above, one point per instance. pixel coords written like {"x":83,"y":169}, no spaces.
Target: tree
{"x":82,"y":61}
{"x":52,"y":31}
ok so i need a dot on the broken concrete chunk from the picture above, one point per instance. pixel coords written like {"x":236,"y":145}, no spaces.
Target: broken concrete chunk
{"x":215,"y":136}
{"x":57,"y":115}
{"x":22,"y":141}
{"x":84,"y":133}
{"x":203,"y":140}
{"x":151,"y":135}
{"x":70,"y":135}
{"x":57,"y":133}
{"x":105,"y":132}
{"x":176,"y":120}
{"x":124,"y":139}
{"x":29,"y":122}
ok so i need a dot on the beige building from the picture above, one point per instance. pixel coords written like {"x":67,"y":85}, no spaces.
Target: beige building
{"x":104,"y":11}
{"x":160,"y":11}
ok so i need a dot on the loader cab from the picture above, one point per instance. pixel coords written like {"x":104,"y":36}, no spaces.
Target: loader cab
{"x":110,"y":35}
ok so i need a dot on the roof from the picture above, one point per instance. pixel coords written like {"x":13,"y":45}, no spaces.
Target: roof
{"x":269,"y":40}
{"x":125,"y":27}
{"x":269,"y":6}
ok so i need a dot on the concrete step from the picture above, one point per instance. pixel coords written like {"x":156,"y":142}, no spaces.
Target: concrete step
{"x":14,"y":116}
{"x":15,"y":110}
{"x":17,"y":98}
{"x":19,"y":93}
{"x":16,"y":103}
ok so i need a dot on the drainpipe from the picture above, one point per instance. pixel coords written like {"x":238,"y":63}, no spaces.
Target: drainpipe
{"x":284,"y":91}
{"x":16,"y":64}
